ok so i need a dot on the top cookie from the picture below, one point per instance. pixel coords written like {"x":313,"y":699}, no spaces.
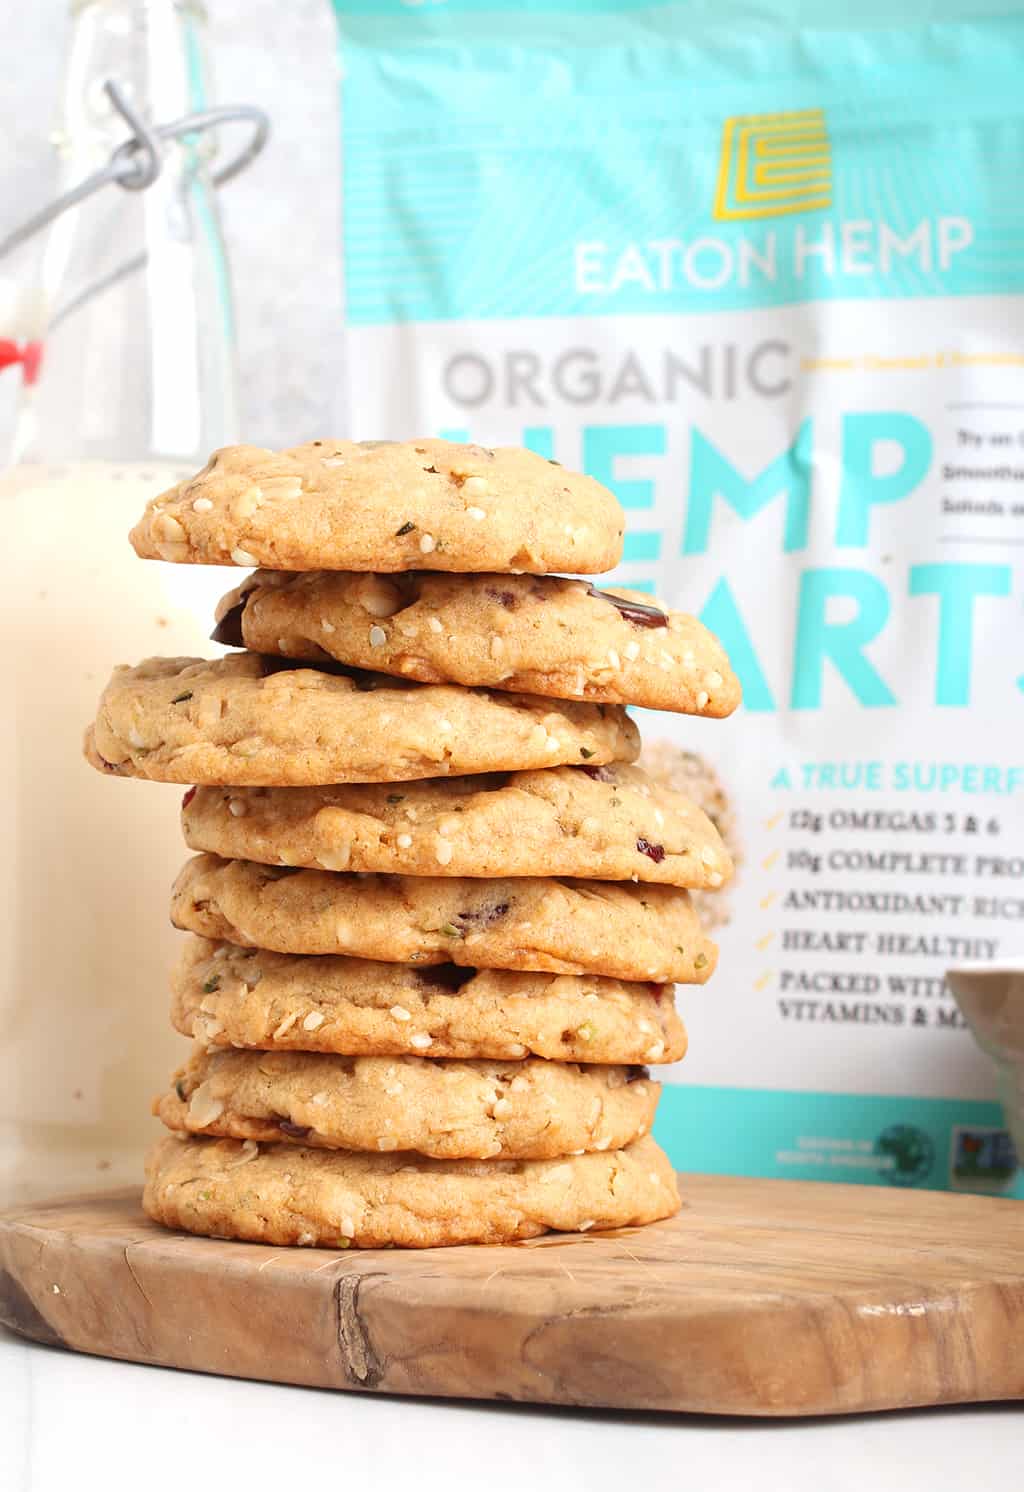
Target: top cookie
{"x":385,"y":505}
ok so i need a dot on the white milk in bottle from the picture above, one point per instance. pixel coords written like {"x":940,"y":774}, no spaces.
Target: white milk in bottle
{"x":85,"y":941}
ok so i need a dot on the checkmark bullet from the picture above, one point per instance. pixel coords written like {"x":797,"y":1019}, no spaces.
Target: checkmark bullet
{"x":775,"y":820}
{"x":762,"y":943}
{"x":766,"y":901}
{"x":764,"y":981}
{"x":769,"y":860}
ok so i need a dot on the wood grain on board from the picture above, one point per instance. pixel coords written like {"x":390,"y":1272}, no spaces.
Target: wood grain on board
{"x":760,"y":1298}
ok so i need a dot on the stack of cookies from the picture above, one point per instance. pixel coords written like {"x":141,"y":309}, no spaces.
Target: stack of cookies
{"x":435,"y":916}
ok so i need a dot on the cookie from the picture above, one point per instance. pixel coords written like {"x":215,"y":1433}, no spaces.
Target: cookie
{"x":243,"y":720}
{"x":561,"y":926}
{"x":529,"y":1110}
{"x":540,"y":634}
{"x":385,"y":505}
{"x":245,"y":997}
{"x":601,"y":823}
{"x":288,"y":1194}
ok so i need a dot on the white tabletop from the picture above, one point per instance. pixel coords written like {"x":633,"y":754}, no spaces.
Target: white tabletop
{"x":70,"y":1424}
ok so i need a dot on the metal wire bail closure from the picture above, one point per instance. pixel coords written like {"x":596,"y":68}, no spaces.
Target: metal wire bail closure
{"x":136,"y":163}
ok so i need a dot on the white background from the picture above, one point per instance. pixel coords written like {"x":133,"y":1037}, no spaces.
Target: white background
{"x":83,"y":1423}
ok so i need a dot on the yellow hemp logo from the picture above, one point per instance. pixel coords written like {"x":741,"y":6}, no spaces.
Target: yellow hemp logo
{"x":773,"y":164}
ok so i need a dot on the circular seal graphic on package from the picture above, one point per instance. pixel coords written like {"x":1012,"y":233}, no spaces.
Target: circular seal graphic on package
{"x":912,"y":1153}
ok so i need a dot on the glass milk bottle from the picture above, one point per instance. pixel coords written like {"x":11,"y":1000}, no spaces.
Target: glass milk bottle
{"x":129,"y":386}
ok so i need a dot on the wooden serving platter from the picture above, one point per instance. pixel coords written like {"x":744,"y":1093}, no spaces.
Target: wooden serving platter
{"x":760,"y":1298}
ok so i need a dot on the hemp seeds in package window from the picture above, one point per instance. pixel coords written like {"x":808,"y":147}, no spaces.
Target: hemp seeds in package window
{"x":761,"y":271}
